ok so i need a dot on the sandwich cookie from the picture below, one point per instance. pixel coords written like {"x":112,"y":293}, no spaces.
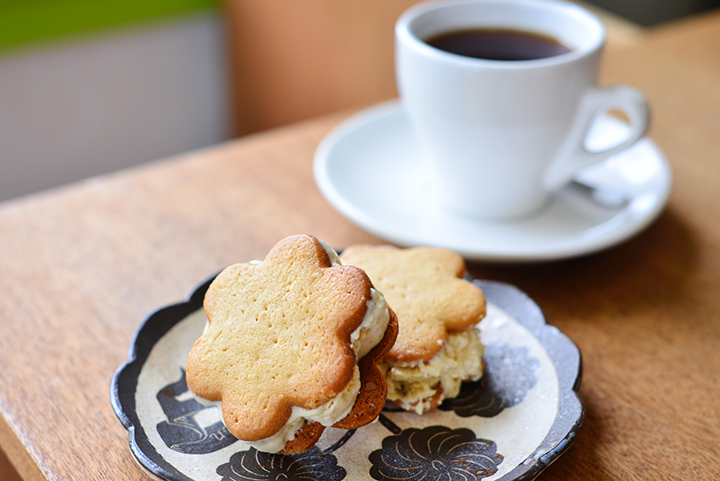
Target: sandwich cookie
{"x":291,"y":346}
{"x":438,"y":346}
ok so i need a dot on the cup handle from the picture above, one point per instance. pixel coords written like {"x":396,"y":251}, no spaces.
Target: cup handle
{"x":573,"y":155}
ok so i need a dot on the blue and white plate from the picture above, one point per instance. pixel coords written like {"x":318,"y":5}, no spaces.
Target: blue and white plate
{"x":510,"y":425}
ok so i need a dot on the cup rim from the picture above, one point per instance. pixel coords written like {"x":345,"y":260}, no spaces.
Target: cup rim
{"x":405,"y":35}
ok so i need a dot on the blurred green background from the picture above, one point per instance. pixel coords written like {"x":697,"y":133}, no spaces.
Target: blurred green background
{"x":31,"y":21}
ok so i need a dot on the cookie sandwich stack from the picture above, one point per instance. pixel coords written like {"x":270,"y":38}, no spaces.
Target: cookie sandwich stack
{"x":307,"y":339}
{"x":291,"y":346}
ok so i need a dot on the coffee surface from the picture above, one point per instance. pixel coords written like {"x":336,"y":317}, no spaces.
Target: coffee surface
{"x":498,"y":44}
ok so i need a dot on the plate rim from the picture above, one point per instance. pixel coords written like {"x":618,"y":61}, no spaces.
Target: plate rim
{"x":506,"y":296}
{"x":156,"y":324}
{"x":512,"y":300}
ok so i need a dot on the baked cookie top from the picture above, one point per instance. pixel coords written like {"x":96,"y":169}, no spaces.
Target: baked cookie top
{"x":278,"y":336}
{"x":426,"y":289}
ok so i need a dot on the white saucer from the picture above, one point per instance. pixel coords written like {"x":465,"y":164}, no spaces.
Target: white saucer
{"x":368,"y":168}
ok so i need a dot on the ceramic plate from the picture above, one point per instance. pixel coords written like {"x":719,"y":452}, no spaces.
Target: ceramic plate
{"x":510,"y":425}
{"x":370,"y":169}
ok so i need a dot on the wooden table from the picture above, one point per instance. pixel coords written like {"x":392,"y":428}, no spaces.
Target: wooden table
{"x":81,"y":266}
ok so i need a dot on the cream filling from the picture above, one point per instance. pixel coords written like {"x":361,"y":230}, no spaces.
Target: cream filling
{"x":368,"y":335}
{"x":413,"y":385}
{"x":326,"y":414}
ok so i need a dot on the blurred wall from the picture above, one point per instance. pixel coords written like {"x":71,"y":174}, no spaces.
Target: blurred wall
{"x":84,"y":106}
{"x":295,"y":59}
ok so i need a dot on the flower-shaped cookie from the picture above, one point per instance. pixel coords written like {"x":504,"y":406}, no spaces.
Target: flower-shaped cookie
{"x":426,"y":289}
{"x":278,"y":336}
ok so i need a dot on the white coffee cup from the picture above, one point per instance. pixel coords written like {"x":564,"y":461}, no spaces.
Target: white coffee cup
{"x":500,"y":136}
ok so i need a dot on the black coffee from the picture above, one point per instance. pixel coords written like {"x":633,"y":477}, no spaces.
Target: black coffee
{"x":498,"y":44}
